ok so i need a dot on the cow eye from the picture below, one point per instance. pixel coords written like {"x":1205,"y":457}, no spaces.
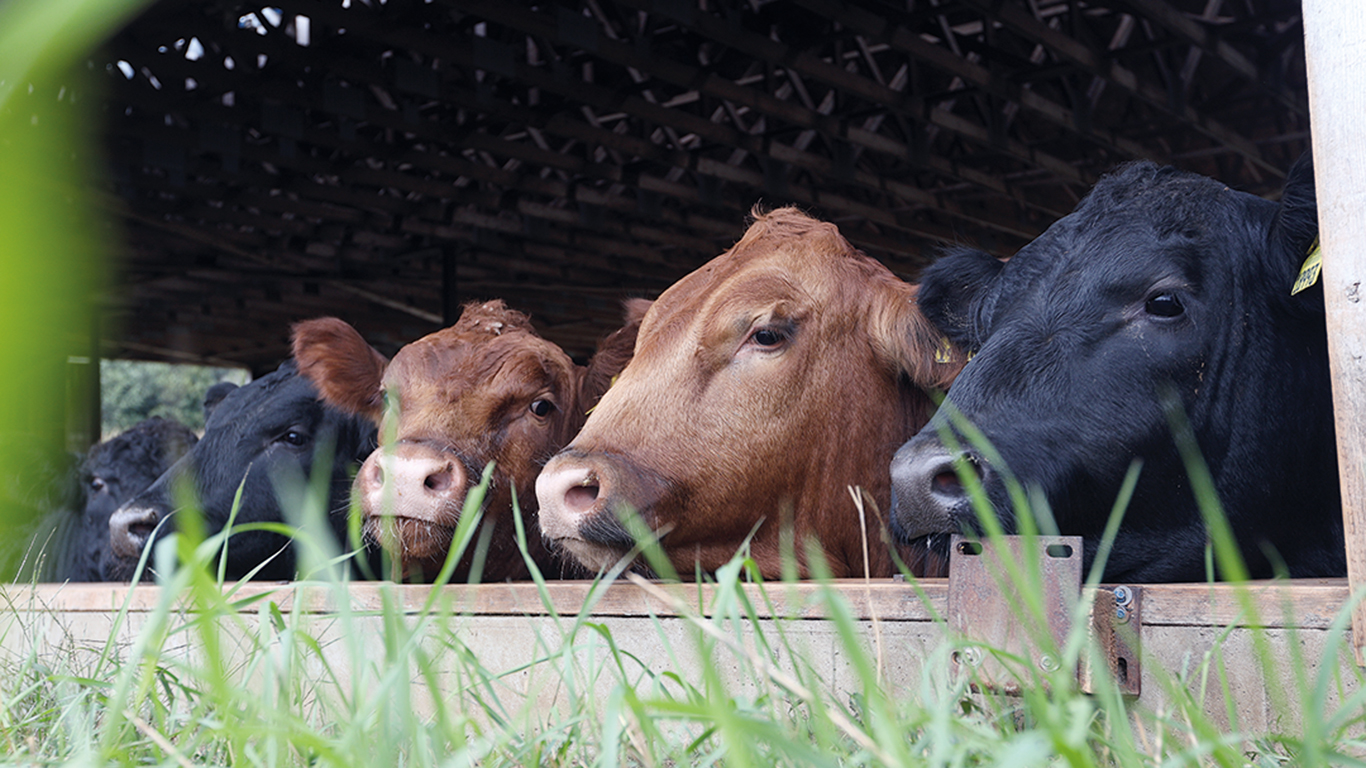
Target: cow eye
{"x":1164,"y":305}
{"x":542,"y":408}
{"x":295,"y":437}
{"x":767,"y":337}
{"x":98,"y":484}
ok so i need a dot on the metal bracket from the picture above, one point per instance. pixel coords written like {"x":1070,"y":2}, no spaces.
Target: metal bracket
{"x":1116,"y":626}
{"x":985,"y":607}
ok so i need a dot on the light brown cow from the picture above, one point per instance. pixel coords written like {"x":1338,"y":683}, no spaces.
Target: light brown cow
{"x":486,"y":389}
{"x":764,"y":384}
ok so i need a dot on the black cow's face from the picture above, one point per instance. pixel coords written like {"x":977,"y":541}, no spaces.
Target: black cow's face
{"x":261,"y":437}
{"x":112,"y":473}
{"x":1161,"y":285}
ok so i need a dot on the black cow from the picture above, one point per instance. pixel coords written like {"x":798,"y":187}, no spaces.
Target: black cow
{"x":113,"y":472}
{"x":1162,"y":286}
{"x":266,"y":432}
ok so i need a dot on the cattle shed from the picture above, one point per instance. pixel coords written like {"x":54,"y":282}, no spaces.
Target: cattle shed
{"x":387,"y":161}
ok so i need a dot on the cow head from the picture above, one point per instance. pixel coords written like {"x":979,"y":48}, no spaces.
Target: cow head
{"x":257,"y":434}
{"x":763,"y":384}
{"x":113,"y":472}
{"x":487,"y":389}
{"x":1161,"y":285}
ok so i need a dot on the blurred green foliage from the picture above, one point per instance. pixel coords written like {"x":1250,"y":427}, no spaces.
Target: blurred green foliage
{"x":51,"y":258}
{"x":132,"y":390}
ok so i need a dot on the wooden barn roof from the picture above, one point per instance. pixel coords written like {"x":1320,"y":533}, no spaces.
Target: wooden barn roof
{"x":386,"y":161}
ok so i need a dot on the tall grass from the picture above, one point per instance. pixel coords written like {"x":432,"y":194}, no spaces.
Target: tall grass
{"x":224,"y":674}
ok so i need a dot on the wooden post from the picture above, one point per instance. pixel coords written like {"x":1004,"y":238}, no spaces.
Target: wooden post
{"x":1335,"y":53}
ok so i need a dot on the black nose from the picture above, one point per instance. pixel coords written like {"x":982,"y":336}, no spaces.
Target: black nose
{"x":928,"y":495}
{"x":129,"y":528}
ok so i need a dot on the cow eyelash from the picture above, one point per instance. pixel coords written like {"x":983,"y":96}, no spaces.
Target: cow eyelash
{"x":293,"y":436}
{"x":1165,"y":305}
{"x":768,"y":338}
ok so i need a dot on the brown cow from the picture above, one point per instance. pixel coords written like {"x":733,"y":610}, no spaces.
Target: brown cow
{"x":486,"y":389}
{"x":764,"y":384}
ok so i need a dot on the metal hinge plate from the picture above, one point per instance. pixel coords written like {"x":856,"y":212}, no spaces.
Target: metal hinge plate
{"x":987,"y":609}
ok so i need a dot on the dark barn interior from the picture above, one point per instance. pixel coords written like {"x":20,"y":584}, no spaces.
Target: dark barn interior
{"x":387,"y":161}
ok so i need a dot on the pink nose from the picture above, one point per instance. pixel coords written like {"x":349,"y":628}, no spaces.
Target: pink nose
{"x":567,"y":492}
{"x":412,"y":480}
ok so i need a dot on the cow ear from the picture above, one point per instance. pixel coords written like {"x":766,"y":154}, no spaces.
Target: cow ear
{"x":612,"y":355}
{"x":909,"y":343}
{"x":346,"y":370}
{"x":1295,"y":229}
{"x":957,"y":292}
{"x":215,"y":395}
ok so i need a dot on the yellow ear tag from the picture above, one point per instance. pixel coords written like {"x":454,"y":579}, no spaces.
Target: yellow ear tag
{"x":944,"y":354}
{"x":610,"y":384}
{"x":1309,"y":272}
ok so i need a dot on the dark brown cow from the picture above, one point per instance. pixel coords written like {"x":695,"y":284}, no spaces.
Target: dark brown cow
{"x":486,"y":389}
{"x":764,"y":384}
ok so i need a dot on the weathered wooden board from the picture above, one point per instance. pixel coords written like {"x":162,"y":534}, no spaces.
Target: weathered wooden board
{"x":1335,"y":58}
{"x":1300,"y":603}
{"x":1201,"y":636}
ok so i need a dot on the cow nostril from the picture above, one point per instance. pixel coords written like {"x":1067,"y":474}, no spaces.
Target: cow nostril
{"x":948,"y":480}
{"x":947,"y":483}
{"x":581,"y":498}
{"x":139,"y":532}
{"x":129,"y":531}
{"x":440,"y":480}
{"x":371,"y":474}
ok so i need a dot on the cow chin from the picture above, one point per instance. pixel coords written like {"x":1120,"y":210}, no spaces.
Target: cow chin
{"x":592,"y":555}
{"x":409,"y":539}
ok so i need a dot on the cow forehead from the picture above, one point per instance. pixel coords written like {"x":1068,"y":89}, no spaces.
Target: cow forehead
{"x":269,"y":398}
{"x":292,"y":401}
{"x":451,"y":366}
{"x":1136,"y":228}
{"x":784,"y":280}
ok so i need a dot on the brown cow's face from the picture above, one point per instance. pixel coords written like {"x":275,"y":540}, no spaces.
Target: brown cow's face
{"x":487,"y":389}
{"x":761,"y":382}
{"x":454,"y":401}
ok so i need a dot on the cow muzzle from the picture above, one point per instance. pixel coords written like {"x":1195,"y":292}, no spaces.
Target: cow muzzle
{"x":581,"y":498}
{"x":411,"y":497}
{"x":928,"y":495}
{"x":129,"y":529}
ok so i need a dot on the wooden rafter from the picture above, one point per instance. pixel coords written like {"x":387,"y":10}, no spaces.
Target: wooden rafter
{"x":399,"y":158}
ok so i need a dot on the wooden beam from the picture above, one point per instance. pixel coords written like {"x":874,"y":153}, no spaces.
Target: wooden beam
{"x":910,"y":105}
{"x":1169,"y":17}
{"x":564,"y":228}
{"x":687,"y":76}
{"x":1335,"y":53}
{"x":613,"y":100}
{"x":1018,"y":18}
{"x":1297,"y":603}
{"x":880,"y":27}
{"x":112,"y":348}
{"x":426,"y":161}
